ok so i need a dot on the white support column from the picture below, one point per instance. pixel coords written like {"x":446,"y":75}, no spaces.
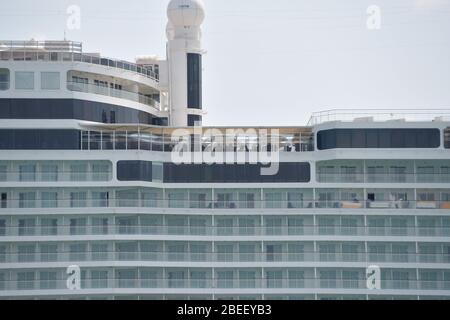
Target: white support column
{"x":366,"y":233}
{"x":261,"y":202}
{"x":164,"y":200}
{"x":261,"y":229}
{"x":364,"y":171}
{"x":139,"y":137}
{"x":213,"y":254}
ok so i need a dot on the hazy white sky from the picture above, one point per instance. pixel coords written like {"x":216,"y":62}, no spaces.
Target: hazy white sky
{"x":273,"y":62}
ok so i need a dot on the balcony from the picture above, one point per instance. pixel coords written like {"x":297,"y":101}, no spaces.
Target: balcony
{"x":234,"y":257}
{"x":115,"y":93}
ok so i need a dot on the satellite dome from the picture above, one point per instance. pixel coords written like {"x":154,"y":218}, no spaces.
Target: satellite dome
{"x":186,"y":13}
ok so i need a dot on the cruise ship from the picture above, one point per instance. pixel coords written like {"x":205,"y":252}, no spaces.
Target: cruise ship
{"x":112,"y":189}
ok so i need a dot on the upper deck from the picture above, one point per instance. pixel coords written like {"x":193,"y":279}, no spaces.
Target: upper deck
{"x":362,"y":116}
{"x":39,"y":71}
{"x":65,"y":51}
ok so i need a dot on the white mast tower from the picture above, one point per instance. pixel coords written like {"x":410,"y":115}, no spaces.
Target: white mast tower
{"x":184,"y":56}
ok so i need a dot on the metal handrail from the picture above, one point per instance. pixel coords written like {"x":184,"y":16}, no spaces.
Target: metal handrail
{"x":350,"y":115}
{"x":112,"y":202}
{"x":206,"y":231}
{"x":48,"y":45}
{"x":112,"y":92}
{"x":69,"y":56}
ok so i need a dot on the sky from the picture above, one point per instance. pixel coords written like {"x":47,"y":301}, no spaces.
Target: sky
{"x":273,"y":62}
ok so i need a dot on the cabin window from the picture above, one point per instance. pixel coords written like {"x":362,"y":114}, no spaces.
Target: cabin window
{"x":24,"y":80}
{"x":4,"y":79}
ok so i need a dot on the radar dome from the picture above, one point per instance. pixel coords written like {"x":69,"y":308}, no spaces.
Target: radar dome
{"x":186,"y":13}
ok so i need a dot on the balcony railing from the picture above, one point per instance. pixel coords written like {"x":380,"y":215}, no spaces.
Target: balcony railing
{"x":53,"y":176}
{"x":46,"y":45}
{"x":236,"y":231}
{"x":233,"y":257}
{"x":54,"y":55}
{"x":383,"y":178}
{"x":111,"y":92}
{"x":220,"y":205}
{"x":220,"y":283}
{"x":379,"y":115}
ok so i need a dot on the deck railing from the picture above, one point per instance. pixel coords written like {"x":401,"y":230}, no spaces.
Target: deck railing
{"x":241,"y":231}
{"x":51,"y":51}
{"x":112,"y":92}
{"x":19,"y":203}
{"x":379,"y":115}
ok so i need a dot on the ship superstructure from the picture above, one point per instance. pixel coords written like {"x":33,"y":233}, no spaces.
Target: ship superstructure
{"x":88,"y":183}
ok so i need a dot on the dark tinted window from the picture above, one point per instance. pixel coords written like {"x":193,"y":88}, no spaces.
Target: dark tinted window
{"x":378,"y":138}
{"x":372,"y":138}
{"x":326,"y":140}
{"x":398,"y":138}
{"x":344,"y":138}
{"x":16,"y":139}
{"x":423,"y":139}
{"x":74,"y":109}
{"x":4,"y":79}
{"x":237,"y":173}
{"x":447,"y":138}
{"x":134,"y":171}
{"x":384,"y":138}
{"x":193,"y":119}
{"x":194,"y":74}
{"x":358,"y":138}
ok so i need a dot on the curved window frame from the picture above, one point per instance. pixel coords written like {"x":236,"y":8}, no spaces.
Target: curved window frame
{"x":75,"y":109}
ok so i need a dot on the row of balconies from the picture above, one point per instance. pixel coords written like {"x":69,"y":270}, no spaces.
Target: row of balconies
{"x":106,"y":202}
{"x":270,"y":258}
{"x":161,"y":230}
{"x":51,"y":176}
{"x":312,"y":284}
{"x":384,"y":178}
{"x":55,"y":176}
{"x":112,"y":92}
